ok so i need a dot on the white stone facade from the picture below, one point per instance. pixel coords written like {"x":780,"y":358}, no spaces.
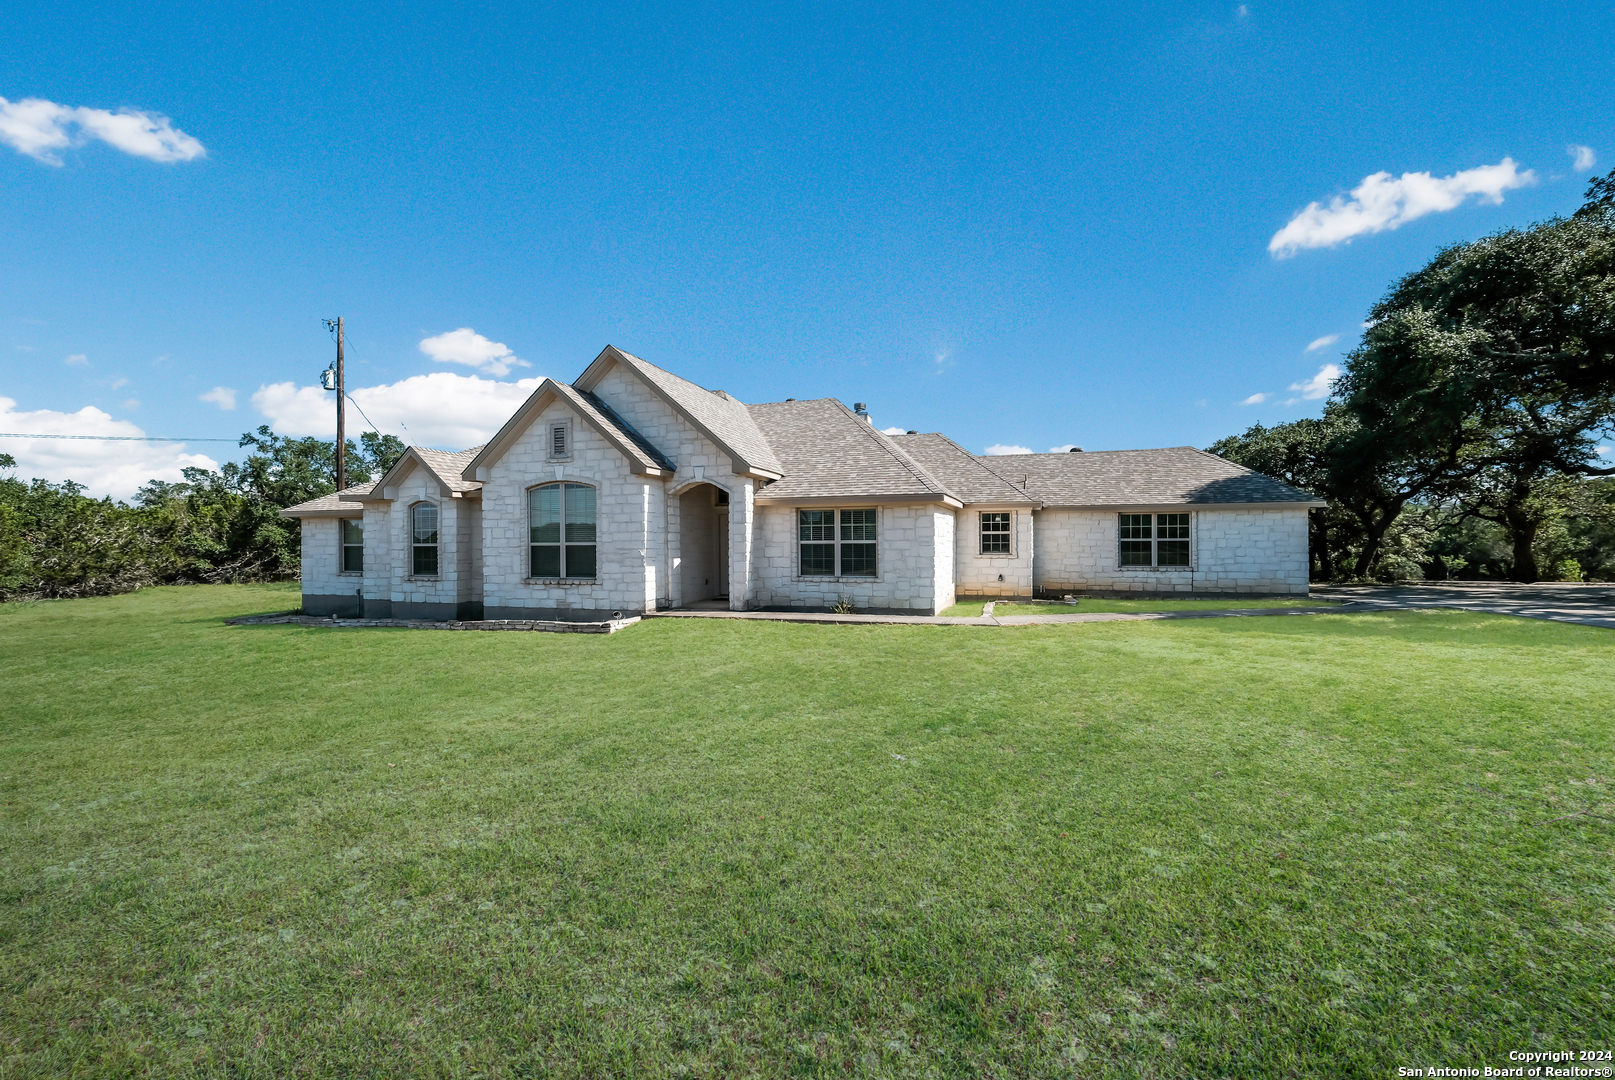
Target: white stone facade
{"x":1231,"y":551}
{"x":693,"y":529}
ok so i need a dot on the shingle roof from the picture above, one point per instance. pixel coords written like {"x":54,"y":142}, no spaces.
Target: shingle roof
{"x":328,"y":503}
{"x":448,"y":466}
{"x":828,"y":451}
{"x":726,"y":419}
{"x":966,"y":476}
{"x":604,"y":415}
{"x":1169,"y":476}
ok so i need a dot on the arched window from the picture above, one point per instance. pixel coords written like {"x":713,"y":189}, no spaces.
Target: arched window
{"x":561,"y":528}
{"x":423,"y":539}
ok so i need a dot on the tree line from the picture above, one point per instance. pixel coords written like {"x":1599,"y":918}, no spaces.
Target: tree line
{"x":213,"y":527}
{"x":1461,"y":440}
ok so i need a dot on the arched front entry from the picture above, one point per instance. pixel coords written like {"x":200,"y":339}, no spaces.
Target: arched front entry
{"x":703,"y":544}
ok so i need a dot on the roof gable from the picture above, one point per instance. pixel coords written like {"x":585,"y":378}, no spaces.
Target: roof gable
{"x":722,"y":419}
{"x":643,"y":458}
{"x":441,"y":465}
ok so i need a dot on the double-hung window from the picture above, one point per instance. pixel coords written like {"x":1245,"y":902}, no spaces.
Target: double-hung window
{"x":1153,"y":540}
{"x":352,"y":546}
{"x":838,"y":543}
{"x":995,"y":534}
{"x":561,"y":526}
{"x":423,"y":539}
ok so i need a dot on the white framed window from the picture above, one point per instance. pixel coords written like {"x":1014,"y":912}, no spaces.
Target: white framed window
{"x":423,"y":539}
{"x":352,"y":545}
{"x":558,"y":440}
{"x":561,"y":531}
{"x":838,"y":543}
{"x":997,"y":533}
{"x":1154,"y":541}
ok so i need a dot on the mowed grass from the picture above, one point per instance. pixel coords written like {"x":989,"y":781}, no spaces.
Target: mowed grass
{"x":1322,"y":846}
{"x":1103,"y":604}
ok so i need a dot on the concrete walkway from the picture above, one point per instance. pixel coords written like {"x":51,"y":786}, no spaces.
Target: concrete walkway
{"x":1571,"y":602}
{"x":988,"y":619}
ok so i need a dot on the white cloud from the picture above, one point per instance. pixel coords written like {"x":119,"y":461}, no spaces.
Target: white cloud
{"x":1383,"y":202}
{"x":894,"y":431}
{"x":1063,"y":448}
{"x":1317,"y":386}
{"x":222,"y":396}
{"x":466,"y":346}
{"x":1604,"y":450}
{"x":1000,"y":450}
{"x":1582,"y":158}
{"x":440,"y":409}
{"x":117,"y":469}
{"x":1322,"y":343}
{"x":77,"y":360}
{"x":39,"y":128}
{"x":1256,"y":399}
{"x":1243,"y":11}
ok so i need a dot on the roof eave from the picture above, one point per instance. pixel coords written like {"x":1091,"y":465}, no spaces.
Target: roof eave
{"x":1123,"y":508}
{"x":860,"y":497}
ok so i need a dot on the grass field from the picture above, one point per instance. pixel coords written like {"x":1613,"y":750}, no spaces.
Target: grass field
{"x":1099,"y":603}
{"x":1322,"y":846}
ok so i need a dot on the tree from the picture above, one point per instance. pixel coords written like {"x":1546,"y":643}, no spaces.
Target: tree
{"x":1487,"y":373}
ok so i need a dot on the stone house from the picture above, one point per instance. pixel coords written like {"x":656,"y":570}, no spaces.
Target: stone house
{"x":632,"y":490}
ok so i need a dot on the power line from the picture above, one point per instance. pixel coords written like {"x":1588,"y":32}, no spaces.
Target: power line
{"x":104,"y":438}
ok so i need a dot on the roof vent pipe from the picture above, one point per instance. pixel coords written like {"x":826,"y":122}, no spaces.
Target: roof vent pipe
{"x":862,"y":410}
{"x":1076,"y":449}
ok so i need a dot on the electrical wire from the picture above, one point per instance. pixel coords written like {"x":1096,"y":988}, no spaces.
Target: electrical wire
{"x":104,"y":438}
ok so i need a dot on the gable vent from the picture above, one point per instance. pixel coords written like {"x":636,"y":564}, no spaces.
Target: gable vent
{"x":558,"y":440}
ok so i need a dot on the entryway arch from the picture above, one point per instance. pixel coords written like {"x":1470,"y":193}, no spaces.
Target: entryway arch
{"x":703,"y":544}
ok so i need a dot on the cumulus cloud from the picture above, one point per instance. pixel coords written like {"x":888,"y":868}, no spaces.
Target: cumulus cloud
{"x":77,"y":360}
{"x":441,"y":410}
{"x":1322,"y":343}
{"x":1317,"y":386}
{"x":1383,"y":201}
{"x":117,"y":469}
{"x":894,"y":431}
{"x":1582,"y":158}
{"x":40,"y":128}
{"x":466,"y":346}
{"x":1256,"y":399}
{"x":222,"y":396}
{"x":1064,"y":448}
{"x":1000,"y":450}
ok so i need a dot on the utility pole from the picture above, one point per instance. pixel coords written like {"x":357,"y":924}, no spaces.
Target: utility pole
{"x":341,"y":413}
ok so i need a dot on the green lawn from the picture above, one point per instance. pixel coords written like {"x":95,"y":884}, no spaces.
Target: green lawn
{"x":1101,"y":604}
{"x":1247,"y":847}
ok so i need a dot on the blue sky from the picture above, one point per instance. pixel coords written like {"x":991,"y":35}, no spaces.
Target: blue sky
{"x":1024,"y":228}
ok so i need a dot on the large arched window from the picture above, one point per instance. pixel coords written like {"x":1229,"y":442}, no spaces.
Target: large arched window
{"x":560,"y":520}
{"x":423,"y":539}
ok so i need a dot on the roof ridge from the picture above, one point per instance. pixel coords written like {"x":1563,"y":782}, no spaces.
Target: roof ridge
{"x":884,"y":441}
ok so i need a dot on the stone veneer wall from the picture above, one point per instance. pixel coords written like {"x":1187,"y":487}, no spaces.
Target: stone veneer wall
{"x":628,"y":512}
{"x":426,"y":596}
{"x":1232,"y":551}
{"x":698,"y":460}
{"x":978,"y":573}
{"x":326,"y":590}
{"x":909,"y":536}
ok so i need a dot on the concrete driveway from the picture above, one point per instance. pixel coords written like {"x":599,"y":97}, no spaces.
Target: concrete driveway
{"x":1590,"y":605}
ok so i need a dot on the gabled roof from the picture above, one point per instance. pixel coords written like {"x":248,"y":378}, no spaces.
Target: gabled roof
{"x":331,"y":505}
{"x":442,"y":465}
{"x":719,"y":417}
{"x":1175,"y":475}
{"x":965,"y":475}
{"x":829,"y":452}
{"x":644,"y":459}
